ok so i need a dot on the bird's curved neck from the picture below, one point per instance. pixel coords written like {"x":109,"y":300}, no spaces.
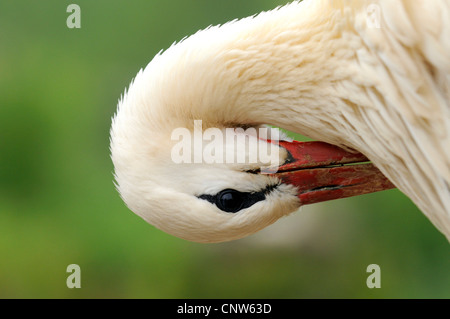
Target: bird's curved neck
{"x":285,"y":68}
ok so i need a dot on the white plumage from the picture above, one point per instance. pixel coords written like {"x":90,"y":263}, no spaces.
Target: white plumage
{"x":324,"y":69}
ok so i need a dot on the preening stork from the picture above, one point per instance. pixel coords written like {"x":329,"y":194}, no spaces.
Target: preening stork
{"x":371,"y":76}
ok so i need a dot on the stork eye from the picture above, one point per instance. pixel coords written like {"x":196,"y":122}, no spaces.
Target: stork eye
{"x":230,"y":200}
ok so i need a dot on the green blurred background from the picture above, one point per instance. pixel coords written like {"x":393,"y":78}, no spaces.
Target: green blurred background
{"x":58,"y":90}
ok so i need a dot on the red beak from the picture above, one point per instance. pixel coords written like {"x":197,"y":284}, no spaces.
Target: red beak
{"x":322,"y":172}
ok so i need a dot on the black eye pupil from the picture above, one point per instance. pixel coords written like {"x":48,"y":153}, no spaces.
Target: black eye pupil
{"x":230,"y":200}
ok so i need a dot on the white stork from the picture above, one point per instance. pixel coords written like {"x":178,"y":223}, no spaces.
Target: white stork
{"x":371,"y":76}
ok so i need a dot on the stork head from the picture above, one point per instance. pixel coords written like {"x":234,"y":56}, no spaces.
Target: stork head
{"x":203,"y":200}
{"x":218,"y":189}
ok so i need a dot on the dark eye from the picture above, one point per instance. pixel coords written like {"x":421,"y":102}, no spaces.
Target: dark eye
{"x":230,"y":200}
